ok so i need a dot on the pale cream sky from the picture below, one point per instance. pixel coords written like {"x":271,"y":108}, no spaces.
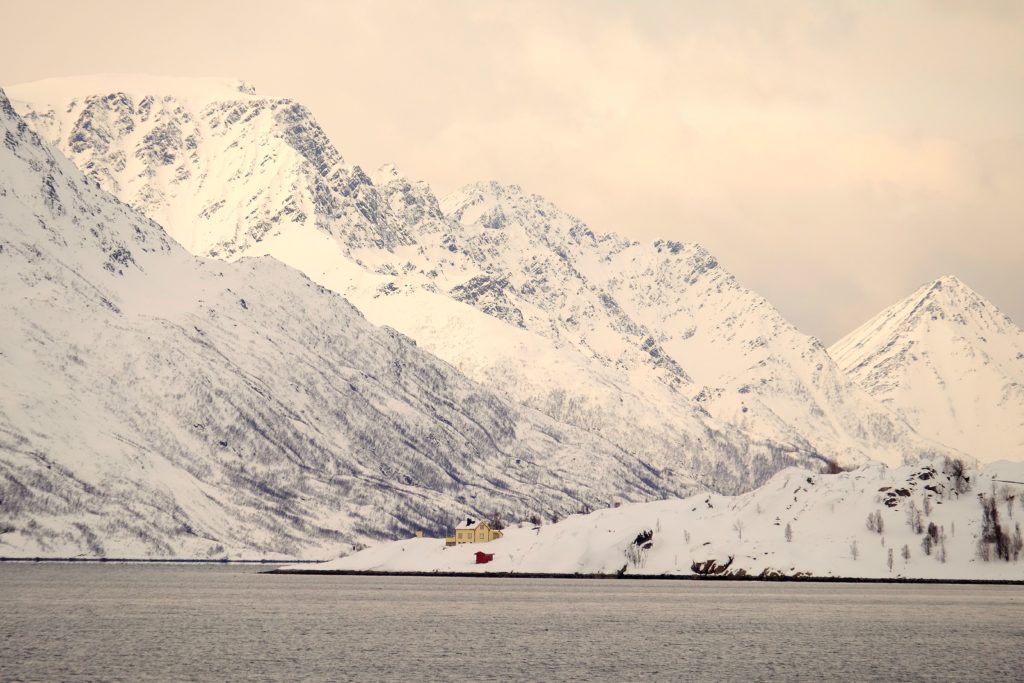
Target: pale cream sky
{"x":833,"y":155}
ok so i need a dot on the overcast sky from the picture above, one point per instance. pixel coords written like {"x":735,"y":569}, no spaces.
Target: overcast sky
{"x":833,"y":155}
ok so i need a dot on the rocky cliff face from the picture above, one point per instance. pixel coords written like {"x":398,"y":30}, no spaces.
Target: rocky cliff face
{"x":220,"y":165}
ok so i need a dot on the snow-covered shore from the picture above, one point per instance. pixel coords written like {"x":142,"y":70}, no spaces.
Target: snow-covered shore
{"x":827,"y":517}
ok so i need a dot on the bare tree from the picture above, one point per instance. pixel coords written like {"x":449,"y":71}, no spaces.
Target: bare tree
{"x":890,"y":559}
{"x":738,"y":528}
{"x":854,"y":552}
{"x":496,"y":522}
{"x":914,"y":520}
{"x":905,"y":552}
{"x":956,"y":471}
{"x":789,"y":533}
{"x":875,"y":522}
{"x":992,"y":532}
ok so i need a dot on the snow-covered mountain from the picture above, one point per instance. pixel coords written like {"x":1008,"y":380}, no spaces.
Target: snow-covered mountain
{"x":209,"y":157}
{"x":950,"y":363}
{"x":915,"y":521}
{"x":153,"y":403}
{"x":654,"y":347}
{"x":735,"y":353}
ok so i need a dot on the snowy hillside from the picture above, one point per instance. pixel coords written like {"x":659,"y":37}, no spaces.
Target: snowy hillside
{"x":609,"y":335}
{"x":925,"y":520}
{"x":950,"y":363}
{"x":156,"y":404}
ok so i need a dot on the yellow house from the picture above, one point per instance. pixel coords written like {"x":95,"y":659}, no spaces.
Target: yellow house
{"x":472,"y":530}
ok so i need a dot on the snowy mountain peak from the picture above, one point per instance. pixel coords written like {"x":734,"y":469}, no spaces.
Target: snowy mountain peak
{"x":196,"y":91}
{"x":946,"y":303}
{"x":949,"y":289}
{"x":386,"y":173}
{"x":950,"y":296}
{"x":170,"y":147}
{"x":950,"y":362}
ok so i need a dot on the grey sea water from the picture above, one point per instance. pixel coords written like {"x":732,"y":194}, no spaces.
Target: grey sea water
{"x":72,"y":622}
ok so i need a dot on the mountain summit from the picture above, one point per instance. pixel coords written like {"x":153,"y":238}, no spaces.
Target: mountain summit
{"x":950,"y":362}
{"x":216,"y":164}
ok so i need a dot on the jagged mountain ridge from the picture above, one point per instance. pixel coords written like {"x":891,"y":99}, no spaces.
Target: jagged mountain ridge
{"x":618,"y":388}
{"x":950,"y":362}
{"x":153,"y":403}
{"x":749,"y":366}
{"x":184,"y":143}
{"x":283,"y":178}
{"x":587,"y":310}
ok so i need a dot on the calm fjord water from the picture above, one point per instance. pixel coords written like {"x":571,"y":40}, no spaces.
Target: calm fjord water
{"x":210,"y":623}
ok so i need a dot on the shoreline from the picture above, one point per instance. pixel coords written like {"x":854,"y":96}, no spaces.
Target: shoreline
{"x":646,"y":577}
{"x":143,"y":560}
{"x":505,"y":575}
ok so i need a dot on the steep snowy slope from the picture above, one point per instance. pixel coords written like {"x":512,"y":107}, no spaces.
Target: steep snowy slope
{"x":745,"y":364}
{"x":156,"y":404}
{"x":606,"y":334}
{"x":922,"y":518}
{"x":950,"y":363}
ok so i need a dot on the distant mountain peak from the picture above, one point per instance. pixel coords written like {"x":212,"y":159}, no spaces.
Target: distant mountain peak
{"x":949,"y":361}
{"x":949,"y":286}
{"x":947,"y":298}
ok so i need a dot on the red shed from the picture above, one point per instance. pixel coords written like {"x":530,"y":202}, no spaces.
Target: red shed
{"x":483,"y":558}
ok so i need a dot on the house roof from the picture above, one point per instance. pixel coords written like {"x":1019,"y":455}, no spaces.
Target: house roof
{"x":470,"y":523}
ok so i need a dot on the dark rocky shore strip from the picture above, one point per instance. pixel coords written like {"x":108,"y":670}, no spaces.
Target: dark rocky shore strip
{"x":648,"y":577}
